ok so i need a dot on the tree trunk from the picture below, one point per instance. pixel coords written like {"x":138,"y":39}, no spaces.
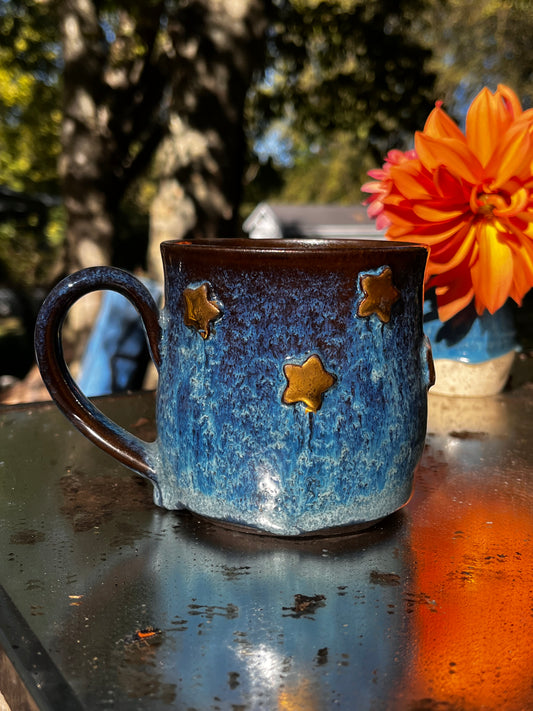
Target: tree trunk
{"x":219,"y":45}
{"x":113,"y":93}
{"x":82,"y":165}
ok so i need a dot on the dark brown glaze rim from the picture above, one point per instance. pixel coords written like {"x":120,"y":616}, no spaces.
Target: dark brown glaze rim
{"x":344,"y":256}
{"x":290,"y":245}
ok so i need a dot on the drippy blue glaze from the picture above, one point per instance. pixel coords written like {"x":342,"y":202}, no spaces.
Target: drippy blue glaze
{"x":232,"y":450}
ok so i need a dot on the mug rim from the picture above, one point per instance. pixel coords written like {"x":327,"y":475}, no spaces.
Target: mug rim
{"x":293,"y":244}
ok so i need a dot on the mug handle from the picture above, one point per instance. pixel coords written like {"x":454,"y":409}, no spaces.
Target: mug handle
{"x":131,"y":451}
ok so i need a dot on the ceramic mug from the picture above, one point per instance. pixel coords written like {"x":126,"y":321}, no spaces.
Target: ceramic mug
{"x":293,"y":378}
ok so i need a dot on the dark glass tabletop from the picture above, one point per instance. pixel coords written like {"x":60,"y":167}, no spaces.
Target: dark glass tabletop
{"x":108,"y":602}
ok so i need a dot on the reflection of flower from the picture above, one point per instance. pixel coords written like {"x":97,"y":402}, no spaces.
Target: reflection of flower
{"x":472,"y":601}
{"x":469,"y":198}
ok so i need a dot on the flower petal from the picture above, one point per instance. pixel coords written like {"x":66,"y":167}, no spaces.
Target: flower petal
{"x":486,"y":121}
{"x":455,"y":155}
{"x":492,"y":273}
{"x":375,"y":208}
{"x":412,"y":184}
{"x":513,"y":156}
{"x":440,"y":125}
{"x":449,"y":186}
{"x":525,"y":116}
{"x":382,"y":222}
{"x":511,"y":101}
{"x":523,"y":269}
{"x":372,"y":186}
{"x":451,"y":254}
{"x":377,"y":173}
{"x":432,"y":212}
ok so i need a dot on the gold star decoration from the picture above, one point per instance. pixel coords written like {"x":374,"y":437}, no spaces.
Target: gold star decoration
{"x":199,"y":311}
{"x":380,"y":295}
{"x":307,"y":383}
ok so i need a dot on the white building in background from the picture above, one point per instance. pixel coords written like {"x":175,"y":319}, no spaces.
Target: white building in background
{"x":270,"y":221}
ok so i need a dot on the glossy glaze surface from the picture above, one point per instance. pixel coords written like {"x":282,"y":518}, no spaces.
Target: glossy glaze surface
{"x":284,"y":404}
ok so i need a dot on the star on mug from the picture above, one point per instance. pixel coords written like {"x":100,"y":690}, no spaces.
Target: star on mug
{"x":307,"y":383}
{"x":380,"y":295}
{"x":199,"y":311}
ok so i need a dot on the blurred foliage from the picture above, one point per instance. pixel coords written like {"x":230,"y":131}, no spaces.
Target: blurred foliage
{"x":326,"y":177}
{"x":472,"y":49}
{"x":30,"y":120}
{"x":30,"y":114}
{"x":30,"y":252}
{"x":348,"y":79}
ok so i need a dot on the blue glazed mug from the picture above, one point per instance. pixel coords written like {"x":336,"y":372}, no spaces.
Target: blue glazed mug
{"x":293,"y":380}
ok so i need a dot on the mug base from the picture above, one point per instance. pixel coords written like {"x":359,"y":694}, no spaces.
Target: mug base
{"x":331,"y":532}
{"x":338,"y":531}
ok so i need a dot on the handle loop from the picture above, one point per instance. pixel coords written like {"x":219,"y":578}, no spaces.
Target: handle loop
{"x":89,"y":420}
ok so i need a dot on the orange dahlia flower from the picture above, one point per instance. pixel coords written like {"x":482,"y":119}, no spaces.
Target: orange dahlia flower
{"x":468,"y":197}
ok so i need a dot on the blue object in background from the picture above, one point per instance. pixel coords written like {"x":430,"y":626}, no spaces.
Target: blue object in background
{"x":116,"y":356}
{"x":467,"y":337}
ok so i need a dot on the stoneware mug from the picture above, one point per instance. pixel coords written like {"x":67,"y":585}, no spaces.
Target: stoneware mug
{"x":293,"y":380}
